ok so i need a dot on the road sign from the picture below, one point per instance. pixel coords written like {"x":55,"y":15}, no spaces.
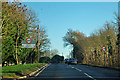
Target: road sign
{"x":104,"y":48}
{"x":28,"y":46}
{"x":29,"y":43}
{"x":28,"y":40}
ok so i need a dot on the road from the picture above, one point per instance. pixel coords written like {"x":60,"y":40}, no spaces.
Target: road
{"x":77,"y":72}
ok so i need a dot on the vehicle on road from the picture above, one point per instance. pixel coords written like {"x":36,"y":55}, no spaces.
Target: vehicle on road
{"x":72,"y":61}
{"x":66,"y":61}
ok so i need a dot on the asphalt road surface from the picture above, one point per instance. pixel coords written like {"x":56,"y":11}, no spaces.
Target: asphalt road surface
{"x":77,"y":72}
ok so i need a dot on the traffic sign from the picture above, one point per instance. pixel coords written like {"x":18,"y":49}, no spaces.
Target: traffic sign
{"x":104,"y":48}
{"x":29,"y":43}
{"x":28,"y":40}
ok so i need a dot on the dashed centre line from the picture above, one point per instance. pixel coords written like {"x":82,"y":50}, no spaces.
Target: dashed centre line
{"x":78,"y":69}
{"x":84,"y":73}
{"x":72,"y":67}
{"x":89,"y":76}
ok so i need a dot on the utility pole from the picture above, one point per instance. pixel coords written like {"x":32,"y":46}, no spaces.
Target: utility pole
{"x":118,"y":33}
{"x":38,"y":43}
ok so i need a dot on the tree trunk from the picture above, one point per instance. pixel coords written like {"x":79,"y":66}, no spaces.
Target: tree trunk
{"x":109,"y":60}
{"x":16,"y":52}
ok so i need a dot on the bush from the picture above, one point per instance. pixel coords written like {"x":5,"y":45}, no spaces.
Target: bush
{"x":44,"y":60}
{"x":57,"y":59}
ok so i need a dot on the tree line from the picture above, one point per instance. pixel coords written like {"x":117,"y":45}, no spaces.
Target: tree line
{"x":55,"y":59}
{"x":88,"y":50}
{"x":19,"y":23}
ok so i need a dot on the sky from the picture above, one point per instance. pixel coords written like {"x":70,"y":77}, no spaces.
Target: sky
{"x":66,"y":0}
{"x":58,"y":17}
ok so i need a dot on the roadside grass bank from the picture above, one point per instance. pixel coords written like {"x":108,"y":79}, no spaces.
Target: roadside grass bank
{"x":20,"y":70}
{"x":101,"y":66}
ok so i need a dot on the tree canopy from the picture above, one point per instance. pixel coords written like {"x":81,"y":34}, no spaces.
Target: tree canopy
{"x":88,"y":50}
{"x":19,"y":23}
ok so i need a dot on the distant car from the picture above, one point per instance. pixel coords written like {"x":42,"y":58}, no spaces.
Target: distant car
{"x":66,"y":61}
{"x":72,"y":61}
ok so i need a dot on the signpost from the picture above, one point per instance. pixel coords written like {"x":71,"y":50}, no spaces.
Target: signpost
{"x":104,"y":49}
{"x":29,"y":43}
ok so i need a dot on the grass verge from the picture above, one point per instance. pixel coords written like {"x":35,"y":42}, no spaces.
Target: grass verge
{"x":20,"y":70}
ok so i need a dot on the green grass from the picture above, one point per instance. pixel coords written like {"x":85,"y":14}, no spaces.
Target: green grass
{"x":20,"y":70}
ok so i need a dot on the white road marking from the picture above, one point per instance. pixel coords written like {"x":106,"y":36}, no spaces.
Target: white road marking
{"x":84,"y":73}
{"x":41,"y":71}
{"x":72,"y":67}
{"x":89,"y":76}
{"x":78,"y":69}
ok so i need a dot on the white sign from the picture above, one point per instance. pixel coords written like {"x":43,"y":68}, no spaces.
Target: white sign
{"x":28,"y":46}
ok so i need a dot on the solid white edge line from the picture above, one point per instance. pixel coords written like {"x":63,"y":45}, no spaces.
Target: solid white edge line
{"x":41,"y":71}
